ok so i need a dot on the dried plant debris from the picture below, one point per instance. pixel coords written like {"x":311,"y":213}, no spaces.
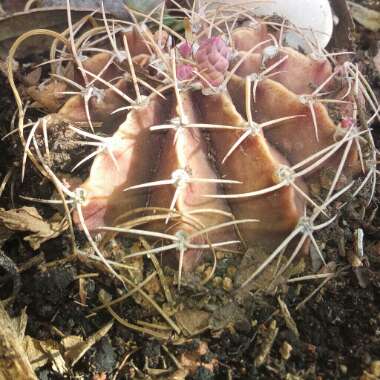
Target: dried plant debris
{"x":266,"y":338}
{"x":28,"y":219}
{"x":15,"y":363}
{"x":192,"y":322}
{"x":366,"y":17}
{"x":42,"y":352}
{"x":205,"y":193}
{"x":75,"y":347}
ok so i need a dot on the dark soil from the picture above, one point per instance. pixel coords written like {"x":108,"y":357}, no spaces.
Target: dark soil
{"x":339,"y":327}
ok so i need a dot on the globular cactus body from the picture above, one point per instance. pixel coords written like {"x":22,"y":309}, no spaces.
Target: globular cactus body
{"x":223,"y":136}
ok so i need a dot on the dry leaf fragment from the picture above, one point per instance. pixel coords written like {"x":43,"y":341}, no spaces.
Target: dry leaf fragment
{"x":43,"y":352}
{"x":192,"y":321}
{"x":37,"y":357}
{"x":58,"y":364}
{"x":76,"y":348}
{"x":71,"y":341}
{"x":28,"y":219}
{"x":49,"y":97}
{"x":14,"y":363}
{"x":227,"y":315}
{"x":368,"y":18}
{"x":19,"y":323}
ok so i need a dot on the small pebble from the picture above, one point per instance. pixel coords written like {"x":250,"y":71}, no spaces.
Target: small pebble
{"x":231,"y":271}
{"x":217,"y":281}
{"x":200,"y":268}
{"x":220,"y":255}
{"x":343,"y":369}
{"x":286,"y":350}
{"x":227,"y":284}
{"x":207,"y":272}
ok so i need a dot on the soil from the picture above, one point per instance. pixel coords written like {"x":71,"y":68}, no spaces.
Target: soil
{"x":333,"y":334}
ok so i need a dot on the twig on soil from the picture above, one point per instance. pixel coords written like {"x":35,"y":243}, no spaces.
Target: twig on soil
{"x":159,"y":335}
{"x":160,"y":273}
{"x":124,"y":296}
{"x":320,"y":286}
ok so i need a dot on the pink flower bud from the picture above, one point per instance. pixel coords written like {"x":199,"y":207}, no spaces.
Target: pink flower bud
{"x":347,"y":122}
{"x":185,"y":49}
{"x":213,"y":59}
{"x":184,"y":72}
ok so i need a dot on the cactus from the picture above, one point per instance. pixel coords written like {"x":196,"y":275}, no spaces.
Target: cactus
{"x":225,"y":137}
